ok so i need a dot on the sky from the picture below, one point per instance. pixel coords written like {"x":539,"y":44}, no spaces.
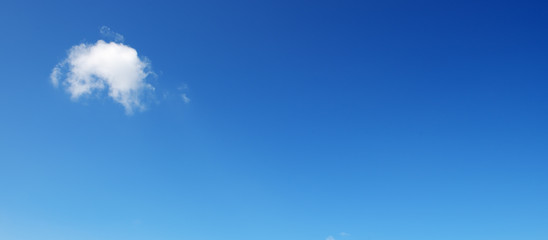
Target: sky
{"x":324,"y":120}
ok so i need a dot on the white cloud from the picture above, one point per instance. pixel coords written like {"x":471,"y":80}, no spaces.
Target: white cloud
{"x":105,"y":31}
{"x":183,"y":86}
{"x":91,"y":68}
{"x":330,"y":238}
{"x":55,"y":75}
{"x":185,"y":98}
{"x":344,"y":234}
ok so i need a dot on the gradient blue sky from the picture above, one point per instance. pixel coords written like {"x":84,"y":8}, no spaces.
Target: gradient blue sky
{"x":386,"y":120}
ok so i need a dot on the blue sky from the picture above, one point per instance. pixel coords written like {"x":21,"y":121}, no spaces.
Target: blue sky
{"x":345,"y":120}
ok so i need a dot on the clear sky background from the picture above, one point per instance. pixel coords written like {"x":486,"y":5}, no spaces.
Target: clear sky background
{"x":307,"y":120}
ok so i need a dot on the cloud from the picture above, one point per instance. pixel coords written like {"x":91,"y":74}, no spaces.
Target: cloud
{"x":183,"y":86}
{"x":185,"y":98}
{"x":107,"y":32}
{"x":330,"y":238}
{"x":55,"y":75}
{"x":344,"y":234}
{"x":115,"y":67}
